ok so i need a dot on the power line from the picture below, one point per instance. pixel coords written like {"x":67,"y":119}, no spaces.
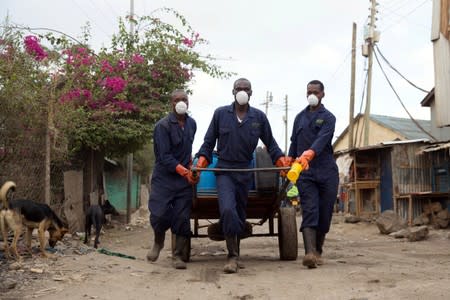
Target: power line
{"x":404,"y":16}
{"x":341,"y":65}
{"x":360,"y":109}
{"x":112,"y":9}
{"x":401,"y":75}
{"x":389,"y":15}
{"x":101,"y":12}
{"x":87,"y":16}
{"x":394,"y":8}
{"x":401,"y":102}
{"x":395,"y":3}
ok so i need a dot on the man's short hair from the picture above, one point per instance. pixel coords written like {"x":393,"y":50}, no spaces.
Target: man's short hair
{"x":241,"y":79}
{"x":322,"y":88}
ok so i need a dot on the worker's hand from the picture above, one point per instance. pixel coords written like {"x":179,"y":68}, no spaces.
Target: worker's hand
{"x":193,"y":177}
{"x":202,"y":162}
{"x":283,"y":161}
{"x":181,"y":170}
{"x":305,"y":158}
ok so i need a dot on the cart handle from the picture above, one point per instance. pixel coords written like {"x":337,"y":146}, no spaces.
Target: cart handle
{"x":270,"y":169}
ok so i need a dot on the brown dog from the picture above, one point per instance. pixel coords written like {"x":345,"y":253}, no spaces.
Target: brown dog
{"x":18,"y":213}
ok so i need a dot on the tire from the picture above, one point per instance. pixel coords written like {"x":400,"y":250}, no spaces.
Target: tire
{"x":287,"y":233}
{"x":265,"y":181}
{"x":186,"y":253}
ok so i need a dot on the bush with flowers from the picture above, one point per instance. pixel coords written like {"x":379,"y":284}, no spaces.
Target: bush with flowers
{"x":109,"y":100}
{"x":23,"y":93}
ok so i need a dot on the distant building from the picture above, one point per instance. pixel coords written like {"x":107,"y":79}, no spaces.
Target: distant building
{"x":383,"y":129}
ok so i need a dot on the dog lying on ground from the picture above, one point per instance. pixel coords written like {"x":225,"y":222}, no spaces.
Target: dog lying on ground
{"x":16,"y":214}
{"x":95,"y":215}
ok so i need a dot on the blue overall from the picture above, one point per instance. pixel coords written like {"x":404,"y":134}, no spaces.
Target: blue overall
{"x":236,"y":143}
{"x":171,"y":195}
{"x":318,"y":185}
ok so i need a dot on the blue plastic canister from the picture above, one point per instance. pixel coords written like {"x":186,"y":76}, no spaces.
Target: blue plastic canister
{"x":207,"y":181}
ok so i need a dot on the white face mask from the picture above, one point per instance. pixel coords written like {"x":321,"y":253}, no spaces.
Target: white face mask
{"x":241,"y":97}
{"x":313,"y":100}
{"x":181,"y":107}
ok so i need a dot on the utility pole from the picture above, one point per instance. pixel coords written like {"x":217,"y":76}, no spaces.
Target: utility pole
{"x":285,"y":125}
{"x":352,"y":89}
{"x":130,"y":155}
{"x":371,"y":37}
{"x":269,"y":99}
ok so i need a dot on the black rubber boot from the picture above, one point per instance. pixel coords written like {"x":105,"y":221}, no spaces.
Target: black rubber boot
{"x":233,"y":255}
{"x":320,"y":239}
{"x":180,"y":244}
{"x":153,"y":254}
{"x":309,"y":241}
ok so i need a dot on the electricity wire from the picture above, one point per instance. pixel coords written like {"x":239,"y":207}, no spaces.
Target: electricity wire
{"x":401,"y":102}
{"x":404,"y":16}
{"x":396,"y":71}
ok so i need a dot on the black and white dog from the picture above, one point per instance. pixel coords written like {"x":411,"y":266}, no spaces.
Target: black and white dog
{"x":95,"y":215}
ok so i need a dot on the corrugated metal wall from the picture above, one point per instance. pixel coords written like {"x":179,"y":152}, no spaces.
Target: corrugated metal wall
{"x":411,"y":173}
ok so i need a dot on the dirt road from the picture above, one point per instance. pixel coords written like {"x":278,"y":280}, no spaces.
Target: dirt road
{"x":360,"y":264}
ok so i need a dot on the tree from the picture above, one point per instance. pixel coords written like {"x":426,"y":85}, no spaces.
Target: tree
{"x":95,"y":103}
{"x":110,"y":101}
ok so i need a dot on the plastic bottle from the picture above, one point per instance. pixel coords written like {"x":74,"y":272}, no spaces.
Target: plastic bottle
{"x":294,"y":172}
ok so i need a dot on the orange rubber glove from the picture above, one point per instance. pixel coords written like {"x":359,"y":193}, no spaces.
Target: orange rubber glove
{"x":305,"y":158}
{"x":193,"y":177}
{"x":202,"y":162}
{"x":283,"y":161}
{"x":180,"y":169}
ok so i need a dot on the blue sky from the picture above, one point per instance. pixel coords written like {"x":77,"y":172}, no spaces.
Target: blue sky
{"x":278,"y":45}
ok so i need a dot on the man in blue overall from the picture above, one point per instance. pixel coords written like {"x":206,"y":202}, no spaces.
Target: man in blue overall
{"x":311,"y":138}
{"x":171,"y":185}
{"x":237,"y":129}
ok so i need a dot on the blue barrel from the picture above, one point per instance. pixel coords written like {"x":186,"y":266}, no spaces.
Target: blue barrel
{"x":207,"y":181}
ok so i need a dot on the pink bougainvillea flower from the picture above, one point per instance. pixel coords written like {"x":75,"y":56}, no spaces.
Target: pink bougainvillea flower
{"x":87,"y":60}
{"x":115,"y":84}
{"x":124,"y":105}
{"x":106,"y":66}
{"x":33,"y":47}
{"x":121,"y":65}
{"x":137,"y":59}
{"x":82,"y":50}
{"x":80,"y":95}
{"x":188,"y":42}
{"x":155,"y":74}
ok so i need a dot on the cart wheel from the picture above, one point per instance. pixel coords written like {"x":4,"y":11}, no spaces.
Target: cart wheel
{"x":287,"y":233}
{"x":186,"y":253}
{"x":265,"y":181}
